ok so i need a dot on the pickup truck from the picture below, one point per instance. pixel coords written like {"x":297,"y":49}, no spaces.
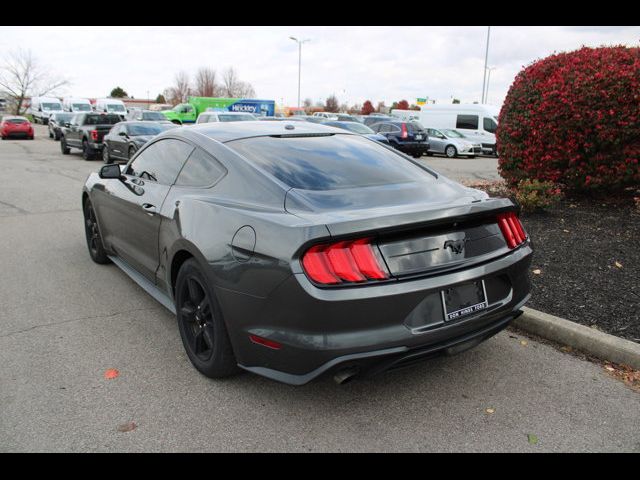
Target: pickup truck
{"x":85,"y":131}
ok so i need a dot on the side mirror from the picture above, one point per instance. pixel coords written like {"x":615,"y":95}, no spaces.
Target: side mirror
{"x":110,"y":171}
{"x":67,"y":124}
{"x":123,"y":134}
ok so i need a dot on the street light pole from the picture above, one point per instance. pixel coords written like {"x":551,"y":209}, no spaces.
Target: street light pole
{"x":486,"y":56}
{"x":486,"y":97}
{"x":299,"y":42}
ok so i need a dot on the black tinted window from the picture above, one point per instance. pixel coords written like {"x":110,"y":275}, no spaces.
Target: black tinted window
{"x":161,"y":162}
{"x":101,"y":119}
{"x":489,"y":125}
{"x":327,"y":162}
{"x":201,"y":170}
{"x":467,"y":121}
{"x":153,"y":116}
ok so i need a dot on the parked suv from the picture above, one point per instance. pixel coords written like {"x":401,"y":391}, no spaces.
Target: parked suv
{"x":408,"y":137}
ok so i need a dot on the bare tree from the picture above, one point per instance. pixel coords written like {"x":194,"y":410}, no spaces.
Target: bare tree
{"x":331,"y":104}
{"x":180,"y":90}
{"x":233,"y":87}
{"x":22,"y":76}
{"x":205,"y":83}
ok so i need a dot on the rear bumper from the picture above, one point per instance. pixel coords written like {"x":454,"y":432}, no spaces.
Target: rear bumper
{"x":412,"y":147}
{"x":371,"y":328}
{"x":18,"y":134}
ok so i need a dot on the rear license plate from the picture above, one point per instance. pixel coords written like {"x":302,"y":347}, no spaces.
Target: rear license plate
{"x":463,"y":300}
{"x":418,"y":137}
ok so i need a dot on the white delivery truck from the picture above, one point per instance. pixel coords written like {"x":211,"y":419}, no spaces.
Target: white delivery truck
{"x":76,"y":105}
{"x":43,"y":107}
{"x":111,"y":105}
{"x":478,"y":122}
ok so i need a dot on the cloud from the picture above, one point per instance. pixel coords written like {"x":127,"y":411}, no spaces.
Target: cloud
{"x":355,"y":63}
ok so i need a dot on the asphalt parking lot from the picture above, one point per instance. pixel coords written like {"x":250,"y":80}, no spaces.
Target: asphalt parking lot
{"x":65,"y":320}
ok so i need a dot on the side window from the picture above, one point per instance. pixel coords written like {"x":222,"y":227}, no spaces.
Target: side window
{"x":381,"y":127}
{"x":393,"y":128}
{"x":489,"y":125}
{"x":201,"y":170}
{"x":470,"y":122}
{"x":161,"y":161}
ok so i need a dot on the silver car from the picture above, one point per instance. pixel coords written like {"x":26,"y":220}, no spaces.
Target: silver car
{"x":452,"y":143}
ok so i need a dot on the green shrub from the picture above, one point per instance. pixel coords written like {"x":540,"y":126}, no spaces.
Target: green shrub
{"x":534,"y":195}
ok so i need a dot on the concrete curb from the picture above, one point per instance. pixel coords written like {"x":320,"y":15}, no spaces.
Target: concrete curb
{"x":588,"y":340}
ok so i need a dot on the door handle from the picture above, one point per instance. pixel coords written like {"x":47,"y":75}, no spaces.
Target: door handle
{"x":148,"y":208}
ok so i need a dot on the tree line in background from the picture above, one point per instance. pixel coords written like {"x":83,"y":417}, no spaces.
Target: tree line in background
{"x":331,"y":104}
{"x":207,"y":83}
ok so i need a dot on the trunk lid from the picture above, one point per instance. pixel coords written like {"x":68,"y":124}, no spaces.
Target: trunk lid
{"x":418,"y":229}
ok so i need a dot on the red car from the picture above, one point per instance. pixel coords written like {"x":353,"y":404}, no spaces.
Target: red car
{"x":16,"y":127}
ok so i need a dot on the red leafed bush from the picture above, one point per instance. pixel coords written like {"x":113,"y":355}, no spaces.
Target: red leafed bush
{"x":573,"y":119}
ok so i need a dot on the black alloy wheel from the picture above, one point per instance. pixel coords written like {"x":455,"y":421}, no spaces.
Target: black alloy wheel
{"x":201,"y":326}
{"x":94,"y":241}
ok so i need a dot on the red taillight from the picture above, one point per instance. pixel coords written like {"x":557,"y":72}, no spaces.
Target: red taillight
{"x":512,"y":229}
{"x":94,"y":135}
{"x":405,"y":133}
{"x":265,"y":342}
{"x":349,"y":261}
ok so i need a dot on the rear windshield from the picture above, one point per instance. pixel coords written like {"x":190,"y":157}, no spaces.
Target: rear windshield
{"x":145,"y":129}
{"x":101,"y":119}
{"x":62,"y":117}
{"x":353,"y":127}
{"x":415,"y":126}
{"x":328,"y":162}
{"x":235,"y":118}
{"x":17,"y":121}
{"x":153,"y":116}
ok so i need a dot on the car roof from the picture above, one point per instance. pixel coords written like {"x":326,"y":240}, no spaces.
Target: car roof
{"x":229,"y":131}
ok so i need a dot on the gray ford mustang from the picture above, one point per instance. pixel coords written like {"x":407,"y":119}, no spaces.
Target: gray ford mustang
{"x":294,"y":249}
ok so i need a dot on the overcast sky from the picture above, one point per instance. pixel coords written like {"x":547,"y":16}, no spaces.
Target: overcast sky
{"x":355,"y":63}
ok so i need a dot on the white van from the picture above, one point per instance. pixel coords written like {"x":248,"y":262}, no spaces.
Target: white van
{"x":43,"y":107}
{"x":76,"y":105}
{"x":111,"y":105}
{"x":476,"y":121}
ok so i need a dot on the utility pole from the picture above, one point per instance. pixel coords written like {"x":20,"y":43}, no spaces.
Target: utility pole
{"x":486,"y":56}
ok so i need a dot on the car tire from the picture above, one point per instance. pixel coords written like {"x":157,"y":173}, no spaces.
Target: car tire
{"x":202,"y":329}
{"x":31,"y":137}
{"x":132,"y":152}
{"x":417,"y":155}
{"x":87,"y":152}
{"x":92,"y":234}
{"x":451,"y":151}
{"x":56,"y":136}
{"x":50,"y":134}
{"x":63,"y":146}
{"x":106,"y":158}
